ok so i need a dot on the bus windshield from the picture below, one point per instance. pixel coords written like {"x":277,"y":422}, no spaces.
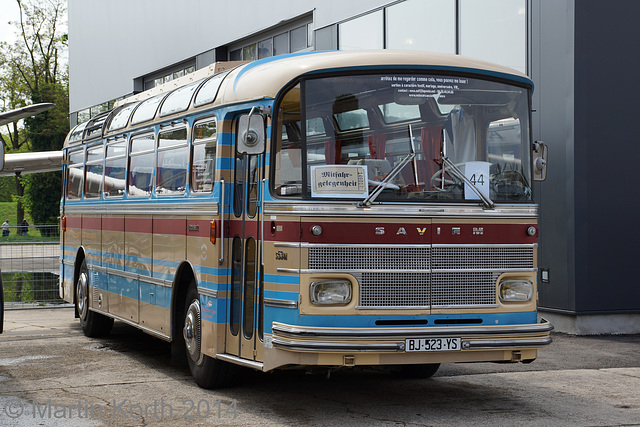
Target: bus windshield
{"x":429,"y":132}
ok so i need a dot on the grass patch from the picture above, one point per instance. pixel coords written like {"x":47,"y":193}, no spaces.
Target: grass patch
{"x":8,"y":211}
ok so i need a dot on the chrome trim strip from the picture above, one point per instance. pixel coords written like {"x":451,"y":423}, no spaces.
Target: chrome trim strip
{"x":137,"y":325}
{"x":509,"y":343}
{"x":67,"y":262}
{"x":426,"y":307}
{"x":486,"y":245}
{"x":381,"y":347}
{"x":302,"y":208}
{"x":337,"y":346}
{"x":280,"y":303}
{"x":287,"y":245}
{"x":208,"y":292}
{"x":240,"y":361}
{"x":435,"y":270}
{"x":367,"y":333}
{"x":222,"y":190}
{"x":288,"y":270}
{"x":148,"y":208}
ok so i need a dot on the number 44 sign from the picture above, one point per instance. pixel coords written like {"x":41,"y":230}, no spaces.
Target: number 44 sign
{"x":478,"y":174}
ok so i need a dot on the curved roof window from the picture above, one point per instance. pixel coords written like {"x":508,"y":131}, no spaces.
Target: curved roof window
{"x":121,"y":118}
{"x":147,"y":109}
{"x":209,"y":90}
{"x":179,"y":99}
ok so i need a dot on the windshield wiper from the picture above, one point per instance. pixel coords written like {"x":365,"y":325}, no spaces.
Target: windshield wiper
{"x":392,"y":174}
{"x":457,"y":172}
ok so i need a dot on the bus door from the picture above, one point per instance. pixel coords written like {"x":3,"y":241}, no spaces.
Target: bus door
{"x":245,"y":237}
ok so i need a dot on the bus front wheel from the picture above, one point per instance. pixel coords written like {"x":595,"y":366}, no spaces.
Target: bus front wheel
{"x":207,"y":371}
{"x":93,"y":324}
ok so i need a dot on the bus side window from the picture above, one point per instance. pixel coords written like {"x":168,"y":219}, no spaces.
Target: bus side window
{"x":75,"y":174}
{"x":141,"y":163}
{"x":203,"y":156}
{"x":94,"y":172}
{"x":115,"y":169}
{"x":171,"y":173}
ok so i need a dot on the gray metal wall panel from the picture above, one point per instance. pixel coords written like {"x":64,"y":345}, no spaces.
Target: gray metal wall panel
{"x":552,"y":71}
{"x":607,"y":155}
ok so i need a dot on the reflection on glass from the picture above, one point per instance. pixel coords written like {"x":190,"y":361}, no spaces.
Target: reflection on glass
{"x":299,"y":38}
{"x":179,"y":99}
{"x":378,"y":120}
{"x":281,"y":44}
{"x":147,"y":109}
{"x":115,"y":169}
{"x":265,"y":49}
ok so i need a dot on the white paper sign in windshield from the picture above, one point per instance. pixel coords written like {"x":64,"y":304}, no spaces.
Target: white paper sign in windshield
{"x":478,"y":174}
{"x":339,"y":181}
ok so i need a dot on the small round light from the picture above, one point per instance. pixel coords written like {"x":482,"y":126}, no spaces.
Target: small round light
{"x":316,"y":230}
{"x":531,"y":231}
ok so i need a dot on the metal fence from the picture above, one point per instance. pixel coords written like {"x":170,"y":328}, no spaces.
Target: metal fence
{"x":30,"y":265}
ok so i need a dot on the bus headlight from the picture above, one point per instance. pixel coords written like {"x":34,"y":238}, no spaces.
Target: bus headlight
{"x":516,"y":290}
{"x":337,"y":291}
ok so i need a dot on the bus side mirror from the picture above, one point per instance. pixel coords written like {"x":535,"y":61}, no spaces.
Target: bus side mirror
{"x":251,"y":134}
{"x":539,"y":156}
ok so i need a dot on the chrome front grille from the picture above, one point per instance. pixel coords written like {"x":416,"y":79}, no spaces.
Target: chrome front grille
{"x":482,"y":257}
{"x":423,"y":276}
{"x":369,"y":258}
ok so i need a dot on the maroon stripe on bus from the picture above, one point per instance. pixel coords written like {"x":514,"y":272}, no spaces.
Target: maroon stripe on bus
{"x":382,"y":232}
{"x":137,"y":225}
{"x":483,"y":233}
{"x":91,"y":223}
{"x":170,"y":226}
{"x":113,"y":224}
{"x":74,"y":221}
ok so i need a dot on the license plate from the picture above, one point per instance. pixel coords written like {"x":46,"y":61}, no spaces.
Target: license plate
{"x":432,"y":344}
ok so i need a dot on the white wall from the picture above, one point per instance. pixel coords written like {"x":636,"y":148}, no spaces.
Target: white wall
{"x":112,"y":42}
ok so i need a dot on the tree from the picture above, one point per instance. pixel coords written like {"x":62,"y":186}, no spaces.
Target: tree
{"x":33,"y":72}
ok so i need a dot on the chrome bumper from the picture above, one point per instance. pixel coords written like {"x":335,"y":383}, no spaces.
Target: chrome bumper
{"x":379,"y":340}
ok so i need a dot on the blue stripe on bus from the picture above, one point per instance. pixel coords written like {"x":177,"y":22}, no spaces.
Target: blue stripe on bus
{"x":277,"y":278}
{"x":283,"y":295}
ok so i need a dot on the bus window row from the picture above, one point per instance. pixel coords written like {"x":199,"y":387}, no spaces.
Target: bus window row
{"x":165,"y":162}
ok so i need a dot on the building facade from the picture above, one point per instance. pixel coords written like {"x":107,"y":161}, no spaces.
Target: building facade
{"x":575,"y":51}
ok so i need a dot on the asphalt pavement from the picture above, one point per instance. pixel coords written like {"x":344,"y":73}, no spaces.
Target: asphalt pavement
{"x":51,"y":374}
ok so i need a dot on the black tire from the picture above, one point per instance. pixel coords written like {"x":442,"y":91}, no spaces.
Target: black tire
{"x":207,"y":371}
{"x":93,"y":324}
{"x":417,"y":371}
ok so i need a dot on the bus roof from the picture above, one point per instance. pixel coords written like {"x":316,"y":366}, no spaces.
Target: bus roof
{"x":265,"y":78}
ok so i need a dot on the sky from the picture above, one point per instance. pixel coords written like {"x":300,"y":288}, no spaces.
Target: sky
{"x":8,"y":12}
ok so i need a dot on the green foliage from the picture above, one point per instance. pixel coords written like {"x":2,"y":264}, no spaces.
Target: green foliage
{"x":31,"y":72}
{"x":42,"y":197}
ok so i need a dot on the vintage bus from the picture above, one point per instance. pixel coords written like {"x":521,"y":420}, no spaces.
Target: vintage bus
{"x":323,"y":209}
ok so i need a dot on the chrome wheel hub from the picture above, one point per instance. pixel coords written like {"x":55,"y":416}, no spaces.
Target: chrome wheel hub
{"x":191,"y":332}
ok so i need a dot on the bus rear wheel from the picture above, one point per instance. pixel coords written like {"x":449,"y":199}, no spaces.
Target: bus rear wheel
{"x":207,"y":371}
{"x":93,"y":324}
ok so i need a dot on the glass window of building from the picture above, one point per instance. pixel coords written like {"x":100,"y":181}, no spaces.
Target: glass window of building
{"x":299,"y":38}
{"x":495,"y":30}
{"x":265,"y":48}
{"x":365,"y":32}
{"x":281,"y":44}
{"x":422,"y":25}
